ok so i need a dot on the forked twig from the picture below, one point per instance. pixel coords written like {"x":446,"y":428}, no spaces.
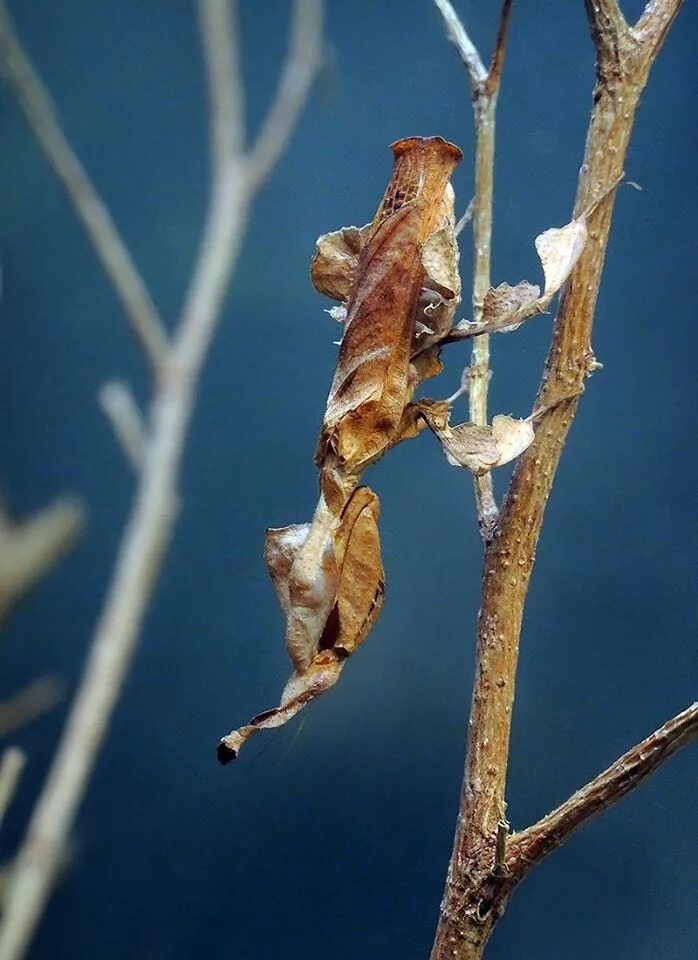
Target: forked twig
{"x":11,"y":766}
{"x":477,"y":889}
{"x":484,"y":85}
{"x":179,"y":363}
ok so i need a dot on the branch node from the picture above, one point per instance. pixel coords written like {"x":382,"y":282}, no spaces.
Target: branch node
{"x":122,"y":411}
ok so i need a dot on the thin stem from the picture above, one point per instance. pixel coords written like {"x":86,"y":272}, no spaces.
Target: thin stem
{"x":467,"y":51}
{"x":484,"y":85}
{"x":121,"y":409}
{"x":149,"y":528}
{"x":495,"y":72}
{"x":89,"y":206}
{"x":479,"y":373}
{"x":11,"y":766}
{"x":29,"y":548}
{"x":526,"y":849}
{"x":32,"y":701}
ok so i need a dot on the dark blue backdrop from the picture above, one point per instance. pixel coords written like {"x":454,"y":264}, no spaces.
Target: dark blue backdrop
{"x":333,"y":839}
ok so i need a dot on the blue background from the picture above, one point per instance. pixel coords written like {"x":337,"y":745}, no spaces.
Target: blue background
{"x":332,"y":836}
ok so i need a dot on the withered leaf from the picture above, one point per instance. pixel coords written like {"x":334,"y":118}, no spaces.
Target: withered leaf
{"x":505,"y":308}
{"x":333,"y":268}
{"x":512,"y":437}
{"x":478,"y":448}
{"x":505,"y":305}
{"x":559,"y":248}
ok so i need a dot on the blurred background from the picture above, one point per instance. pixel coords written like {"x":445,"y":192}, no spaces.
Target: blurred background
{"x":331,"y":837}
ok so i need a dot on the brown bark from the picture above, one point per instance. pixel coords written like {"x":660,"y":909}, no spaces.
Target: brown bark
{"x":483,"y":867}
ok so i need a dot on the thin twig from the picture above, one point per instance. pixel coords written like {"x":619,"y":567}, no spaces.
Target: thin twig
{"x":11,"y":766}
{"x":475,"y":894}
{"x":31,"y":702}
{"x":466,"y":218}
{"x":484,"y":86}
{"x":526,"y":849}
{"x":149,"y":528}
{"x":121,"y":409}
{"x":89,"y":206}
{"x":29,"y":548}
{"x":467,"y":51}
{"x":302,"y":63}
{"x":494,"y":73}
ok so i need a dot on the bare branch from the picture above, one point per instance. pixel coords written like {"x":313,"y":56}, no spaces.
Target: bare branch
{"x":485,"y":88}
{"x":90,"y":208}
{"x":467,"y":50}
{"x":495,"y":72}
{"x":302,"y":62}
{"x":466,"y":218}
{"x":11,"y":766}
{"x":30,"y":548}
{"x":122,"y":411}
{"x":40,"y":696}
{"x":222,"y":60}
{"x":151,"y":522}
{"x":609,"y":30}
{"x":526,"y":849}
{"x":475,"y":896}
{"x":654,"y":24}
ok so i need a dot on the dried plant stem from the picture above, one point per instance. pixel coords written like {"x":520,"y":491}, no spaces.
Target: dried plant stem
{"x":29,"y":703}
{"x":149,"y":528}
{"x":526,"y":849}
{"x":29,"y":548}
{"x":476,"y":892}
{"x":484,"y":85}
{"x":479,"y":372}
{"x":11,"y":766}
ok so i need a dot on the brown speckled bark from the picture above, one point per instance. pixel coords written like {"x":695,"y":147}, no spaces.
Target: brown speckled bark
{"x":479,"y":883}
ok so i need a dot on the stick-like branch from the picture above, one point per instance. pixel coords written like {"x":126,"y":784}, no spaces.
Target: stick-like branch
{"x":302,"y":62}
{"x":222,"y":62}
{"x":475,"y":896}
{"x":122,"y":411}
{"x":28,"y":549}
{"x":467,"y":51}
{"x":526,"y":849}
{"x":495,"y":72}
{"x":11,"y":766}
{"x":484,"y":85}
{"x":89,"y":206}
{"x":654,"y":24}
{"x":149,"y":528}
{"x":38,"y":697}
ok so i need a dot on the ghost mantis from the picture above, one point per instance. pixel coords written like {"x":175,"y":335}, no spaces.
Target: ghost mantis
{"x":398,"y":283}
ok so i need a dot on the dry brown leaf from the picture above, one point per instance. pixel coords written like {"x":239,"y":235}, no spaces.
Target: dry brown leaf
{"x":478,"y":448}
{"x":512,"y":437}
{"x":505,"y":308}
{"x":333,"y":268}
{"x":559,"y":249}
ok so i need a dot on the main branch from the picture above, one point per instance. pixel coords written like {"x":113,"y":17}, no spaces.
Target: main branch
{"x":475,"y":896}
